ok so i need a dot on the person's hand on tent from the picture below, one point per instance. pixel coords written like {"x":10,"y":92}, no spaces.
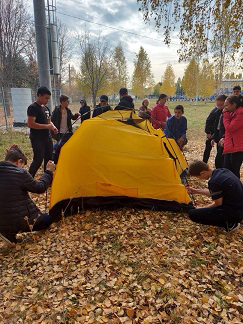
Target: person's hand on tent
{"x":50,"y":166}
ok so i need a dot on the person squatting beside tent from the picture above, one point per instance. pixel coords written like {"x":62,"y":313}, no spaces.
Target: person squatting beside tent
{"x":18,"y":212}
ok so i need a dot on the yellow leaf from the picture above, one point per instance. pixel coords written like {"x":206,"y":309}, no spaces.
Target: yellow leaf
{"x":205,"y":300}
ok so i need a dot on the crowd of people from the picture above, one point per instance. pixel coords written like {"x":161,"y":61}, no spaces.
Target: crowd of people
{"x":224,"y":127}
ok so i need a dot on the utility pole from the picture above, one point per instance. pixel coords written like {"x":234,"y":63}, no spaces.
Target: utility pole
{"x":69,"y":81}
{"x":42,"y":45}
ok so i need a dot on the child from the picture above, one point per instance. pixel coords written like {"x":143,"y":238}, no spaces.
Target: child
{"x":176,"y":127}
{"x":226,"y":190}
{"x":160,"y":113}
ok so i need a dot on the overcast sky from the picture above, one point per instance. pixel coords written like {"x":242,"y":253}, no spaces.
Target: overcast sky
{"x":123,"y":15}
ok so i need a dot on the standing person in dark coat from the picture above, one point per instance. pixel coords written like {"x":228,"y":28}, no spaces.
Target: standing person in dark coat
{"x":39,"y":122}
{"x":126,"y":101}
{"x":62,"y":118}
{"x":84,"y":110}
{"x":209,"y":128}
{"x":102,"y":106}
{"x":18,"y":213}
{"x":217,"y":131}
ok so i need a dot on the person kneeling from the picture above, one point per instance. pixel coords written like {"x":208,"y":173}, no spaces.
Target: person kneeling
{"x":226,"y":191}
{"x":176,"y":127}
{"x":18,"y":212}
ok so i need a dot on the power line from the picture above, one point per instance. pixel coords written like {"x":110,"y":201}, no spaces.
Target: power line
{"x":114,"y":28}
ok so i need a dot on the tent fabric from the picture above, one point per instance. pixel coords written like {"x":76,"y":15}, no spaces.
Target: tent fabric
{"x":117,"y":154}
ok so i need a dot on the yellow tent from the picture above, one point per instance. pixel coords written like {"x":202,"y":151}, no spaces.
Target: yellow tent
{"x":118,"y":159}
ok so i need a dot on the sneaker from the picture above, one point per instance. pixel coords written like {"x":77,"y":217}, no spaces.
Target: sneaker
{"x":232,"y":227}
{"x":5,"y":239}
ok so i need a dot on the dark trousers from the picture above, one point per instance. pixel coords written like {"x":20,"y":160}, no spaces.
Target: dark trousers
{"x":219,"y":159}
{"x":42,"y":222}
{"x":233,"y":161}
{"x":216,"y":216}
{"x":59,"y":145}
{"x":43,"y":150}
{"x":208,"y":148}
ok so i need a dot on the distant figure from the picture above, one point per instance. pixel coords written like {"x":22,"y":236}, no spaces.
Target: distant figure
{"x":84,"y":110}
{"x":160,"y":113}
{"x":144,"y":111}
{"x":233,"y":142}
{"x":18,"y":212}
{"x":102,"y":107}
{"x":126,"y":101}
{"x":39,"y":122}
{"x":62,"y":118}
{"x":176,"y":127}
{"x":226,"y":191}
{"x":237,"y":91}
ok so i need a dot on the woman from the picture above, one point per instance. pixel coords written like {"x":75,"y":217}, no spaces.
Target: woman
{"x":144,"y":111}
{"x":233,"y":143}
{"x":160,"y":113}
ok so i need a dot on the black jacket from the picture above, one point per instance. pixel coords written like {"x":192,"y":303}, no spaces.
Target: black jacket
{"x":56,"y":118}
{"x":126,"y":103}
{"x":100,"y":110}
{"x":209,"y":127}
{"x":84,"y":111}
{"x":216,"y":128}
{"x":15,"y":202}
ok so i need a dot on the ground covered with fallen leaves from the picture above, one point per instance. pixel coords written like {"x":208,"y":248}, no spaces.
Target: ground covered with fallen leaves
{"x":124,"y":266}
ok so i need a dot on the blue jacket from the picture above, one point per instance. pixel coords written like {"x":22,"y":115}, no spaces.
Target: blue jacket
{"x":176,"y":128}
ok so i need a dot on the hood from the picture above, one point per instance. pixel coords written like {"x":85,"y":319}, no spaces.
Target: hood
{"x":127,"y":98}
{"x":85,"y":103}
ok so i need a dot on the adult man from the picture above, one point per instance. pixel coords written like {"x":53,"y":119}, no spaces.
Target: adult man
{"x":226,"y":190}
{"x":40,"y":124}
{"x":62,"y":118}
{"x":126,"y":101}
{"x":18,"y":213}
{"x":102,"y":106}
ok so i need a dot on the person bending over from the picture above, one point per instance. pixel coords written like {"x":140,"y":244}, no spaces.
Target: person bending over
{"x":226,"y":191}
{"x":18,"y":213}
{"x":176,"y":127}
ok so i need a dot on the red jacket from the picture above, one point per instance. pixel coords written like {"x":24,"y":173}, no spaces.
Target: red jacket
{"x":233,"y":123}
{"x":159,"y":115}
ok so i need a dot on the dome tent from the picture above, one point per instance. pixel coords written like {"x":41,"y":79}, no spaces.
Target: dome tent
{"x":116,"y":160}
